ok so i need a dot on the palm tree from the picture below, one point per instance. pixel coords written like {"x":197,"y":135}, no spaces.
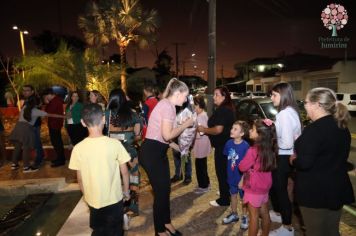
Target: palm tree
{"x":121,"y":21}
{"x":68,"y":68}
{"x":65,"y":67}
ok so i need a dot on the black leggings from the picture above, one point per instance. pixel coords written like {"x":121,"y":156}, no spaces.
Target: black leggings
{"x":279,"y":191}
{"x":201,"y":170}
{"x":221,"y":173}
{"x":76,"y":133}
{"x":153,"y":158}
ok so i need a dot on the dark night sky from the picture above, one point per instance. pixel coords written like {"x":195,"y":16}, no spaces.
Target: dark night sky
{"x":245,"y":29}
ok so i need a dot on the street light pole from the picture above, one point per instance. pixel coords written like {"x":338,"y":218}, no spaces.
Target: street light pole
{"x":22,"y":44}
{"x":22,"y":41}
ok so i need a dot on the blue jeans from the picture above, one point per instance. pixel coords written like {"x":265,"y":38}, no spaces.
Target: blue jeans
{"x":38,"y":145}
{"x":178,"y":165}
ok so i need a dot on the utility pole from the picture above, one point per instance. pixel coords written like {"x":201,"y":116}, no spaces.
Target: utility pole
{"x":177,"y":56}
{"x":212,"y":55}
{"x":222,"y":71}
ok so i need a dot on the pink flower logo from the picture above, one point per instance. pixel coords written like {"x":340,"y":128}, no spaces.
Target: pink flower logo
{"x":334,"y":17}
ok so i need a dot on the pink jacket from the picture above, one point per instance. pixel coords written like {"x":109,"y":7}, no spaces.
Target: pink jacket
{"x":255,"y":181}
{"x":202,"y":145}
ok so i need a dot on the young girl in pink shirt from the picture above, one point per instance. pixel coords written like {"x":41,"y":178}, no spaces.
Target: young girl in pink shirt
{"x":201,"y":148}
{"x":257,"y":165}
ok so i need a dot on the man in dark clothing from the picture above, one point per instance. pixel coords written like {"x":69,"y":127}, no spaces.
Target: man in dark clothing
{"x":55,"y":106}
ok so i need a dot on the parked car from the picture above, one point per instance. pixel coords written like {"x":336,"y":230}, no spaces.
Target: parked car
{"x":348,"y":99}
{"x":256,"y":94}
{"x":236,"y":95}
{"x":254,"y":108}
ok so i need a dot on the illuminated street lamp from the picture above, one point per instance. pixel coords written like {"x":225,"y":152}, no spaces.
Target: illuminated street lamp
{"x":22,"y":32}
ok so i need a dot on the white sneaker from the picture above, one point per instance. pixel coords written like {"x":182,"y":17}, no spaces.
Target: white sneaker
{"x":126,"y":222}
{"x":275,"y":217}
{"x":214,"y":203}
{"x":282,"y":231}
{"x":201,"y":190}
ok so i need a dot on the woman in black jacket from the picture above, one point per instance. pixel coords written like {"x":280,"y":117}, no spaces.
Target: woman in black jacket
{"x":219,"y":126}
{"x":322,"y":182}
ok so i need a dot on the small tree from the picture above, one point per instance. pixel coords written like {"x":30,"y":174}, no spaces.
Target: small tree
{"x":65,"y":67}
{"x":100,"y":76}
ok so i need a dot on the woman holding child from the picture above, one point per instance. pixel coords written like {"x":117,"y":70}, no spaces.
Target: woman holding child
{"x":153,"y":156}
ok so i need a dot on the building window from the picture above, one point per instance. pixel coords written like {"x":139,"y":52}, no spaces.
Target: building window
{"x":258,"y":88}
{"x":296,"y":85}
{"x":330,"y":83}
{"x":249,"y":87}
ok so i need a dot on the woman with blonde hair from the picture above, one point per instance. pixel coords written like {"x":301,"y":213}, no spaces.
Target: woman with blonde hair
{"x":153,"y":158}
{"x":322,"y":183}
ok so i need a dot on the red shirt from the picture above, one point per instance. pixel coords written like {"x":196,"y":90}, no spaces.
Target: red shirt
{"x":150,"y":102}
{"x":55,"y":106}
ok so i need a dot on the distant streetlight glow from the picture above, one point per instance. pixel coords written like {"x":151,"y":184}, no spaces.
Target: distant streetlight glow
{"x":193,"y":54}
{"x":15,"y":27}
{"x":261,"y":68}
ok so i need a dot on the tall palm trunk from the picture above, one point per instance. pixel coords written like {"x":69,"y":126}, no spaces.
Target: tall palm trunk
{"x":123,"y":68}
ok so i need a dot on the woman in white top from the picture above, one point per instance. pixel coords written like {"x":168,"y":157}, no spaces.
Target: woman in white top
{"x":288,"y":128}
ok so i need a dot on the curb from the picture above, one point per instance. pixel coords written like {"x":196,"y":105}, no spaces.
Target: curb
{"x":25,"y":187}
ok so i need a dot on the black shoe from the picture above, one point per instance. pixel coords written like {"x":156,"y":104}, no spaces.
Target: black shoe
{"x":187,"y":181}
{"x":57,"y":164}
{"x":176,"y":178}
{"x":176,"y":233}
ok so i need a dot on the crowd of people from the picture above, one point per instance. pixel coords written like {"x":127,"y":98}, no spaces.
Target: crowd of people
{"x":254,"y":160}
